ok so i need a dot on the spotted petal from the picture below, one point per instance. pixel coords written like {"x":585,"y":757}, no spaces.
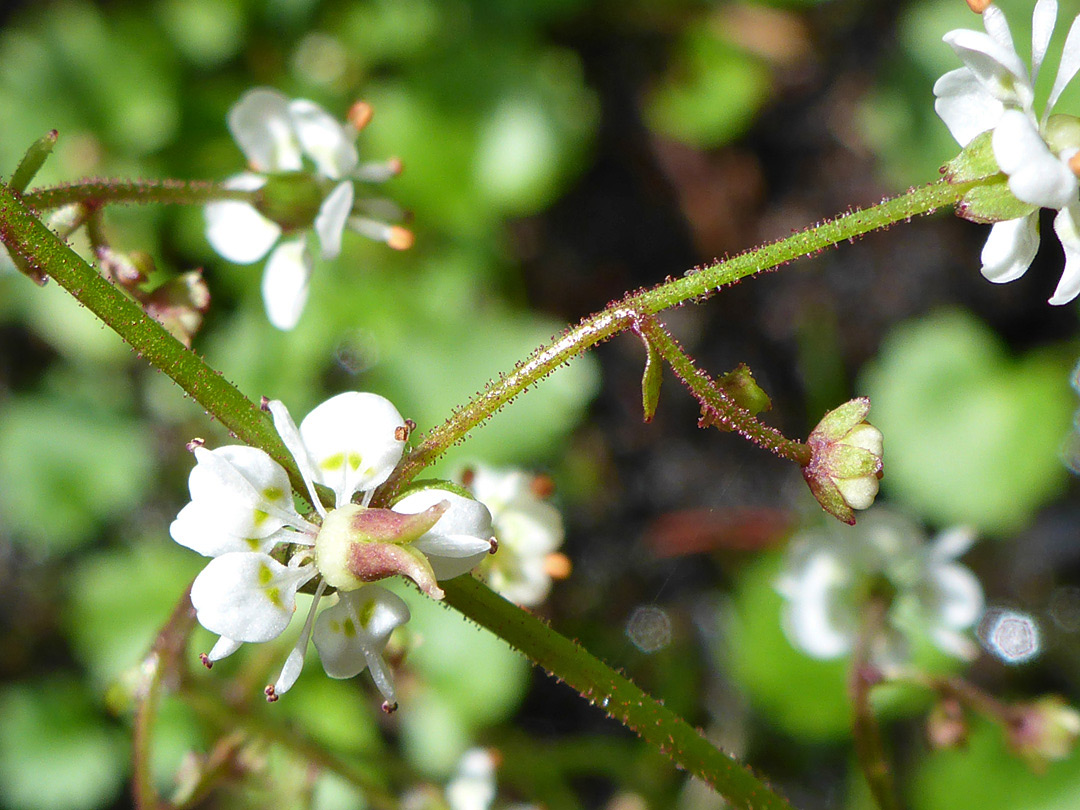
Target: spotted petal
{"x":247,"y":596}
{"x":353,"y":441}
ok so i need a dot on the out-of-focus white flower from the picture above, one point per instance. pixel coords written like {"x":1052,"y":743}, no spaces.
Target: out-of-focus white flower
{"x":529,"y":531}
{"x":305,"y":166}
{"x":241,"y":514}
{"x":831,"y":573}
{"x":473,"y":785}
{"x":994,"y":91}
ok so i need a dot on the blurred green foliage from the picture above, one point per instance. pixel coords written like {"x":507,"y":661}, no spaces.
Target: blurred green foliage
{"x":495,"y":110}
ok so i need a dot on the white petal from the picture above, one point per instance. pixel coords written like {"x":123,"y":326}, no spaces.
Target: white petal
{"x":955,"y":644}
{"x":952,"y":543}
{"x":261,"y":125}
{"x":324,"y":139}
{"x":460,"y":540}
{"x":1036,"y":175}
{"x":247,"y":596}
{"x":997,"y":67}
{"x":966,"y":107}
{"x":1067,"y":230}
{"x":290,"y":437}
{"x":285,"y":282}
{"x":198,"y":528}
{"x":241,"y":491}
{"x":330,"y":222}
{"x":998,"y":27}
{"x":358,"y":626}
{"x":235,"y":230}
{"x":352,"y":440}
{"x":1070,"y":64}
{"x":810,"y":617}
{"x":1010,"y":249}
{"x":473,"y":787}
{"x":1043,"y":20}
{"x":958,"y":595}
{"x":858,"y":493}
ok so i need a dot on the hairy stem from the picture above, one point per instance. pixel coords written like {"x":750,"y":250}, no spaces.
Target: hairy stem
{"x":100,"y":191}
{"x":715,"y":401}
{"x":614,"y":693}
{"x":621,"y":315}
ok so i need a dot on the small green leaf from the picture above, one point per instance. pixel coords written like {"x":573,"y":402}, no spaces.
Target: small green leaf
{"x":651,"y":379}
{"x":976,"y":162}
{"x":740,"y":385}
{"x":32,"y":161}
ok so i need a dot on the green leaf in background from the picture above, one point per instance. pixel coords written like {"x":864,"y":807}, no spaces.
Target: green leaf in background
{"x":971,"y":436}
{"x":711,"y":92}
{"x":56,"y":750}
{"x":66,"y":468}
{"x":111,"y":625}
{"x":986,"y":776}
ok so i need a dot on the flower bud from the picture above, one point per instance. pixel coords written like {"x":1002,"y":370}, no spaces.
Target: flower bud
{"x":845,"y":463}
{"x":357,"y":545}
{"x":1044,"y":731}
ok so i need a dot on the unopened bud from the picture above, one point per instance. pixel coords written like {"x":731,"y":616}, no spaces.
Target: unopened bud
{"x":1044,"y":731}
{"x":357,"y":545}
{"x":845,"y":463}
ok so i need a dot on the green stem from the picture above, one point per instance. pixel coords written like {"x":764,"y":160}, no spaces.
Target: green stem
{"x":622,"y":315}
{"x":715,"y":401}
{"x":614,"y":693}
{"x":25,"y":236}
{"x":101,"y":191}
{"x":869,"y":747}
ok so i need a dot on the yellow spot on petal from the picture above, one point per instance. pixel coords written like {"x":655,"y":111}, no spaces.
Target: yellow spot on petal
{"x":253,"y":543}
{"x":332,"y":462}
{"x":274,"y":595}
{"x":265,"y":575}
{"x":354,"y":460}
{"x":366,"y":612}
{"x":272,"y":493}
{"x":335,"y":626}
{"x":260,"y":516}
{"x":350,"y":628}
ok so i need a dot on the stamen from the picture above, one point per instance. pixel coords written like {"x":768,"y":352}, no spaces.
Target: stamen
{"x":389,"y":707}
{"x":494,"y":545}
{"x":557,"y":565}
{"x":206,"y":662}
{"x":196,"y":442}
{"x":360,"y":114}
{"x":381,"y":208}
{"x":295,"y":662}
{"x":271,"y":695}
{"x":400,"y":238}
{"x":978,"y":6}
{"x":379,"y":172}
{"x":401,"y":433}
{"x":542,"y":487}
{"x":1074,"y":164}
{"x":468,"y":475}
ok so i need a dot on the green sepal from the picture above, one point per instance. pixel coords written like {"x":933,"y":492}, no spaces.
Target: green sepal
{"x":651,"y":379}
{"x":975,"y":162}
{"x":32,"y":162}
{"x":433,"y":483}
{"x":991,"y":201}
{"x":291,"y":199}
{"x":740,"y":385}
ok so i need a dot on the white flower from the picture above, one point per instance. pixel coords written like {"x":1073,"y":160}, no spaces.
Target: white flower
{"x":473,"y":785}
{"x":278,"y":137}
{"x":831,"y":573}
{"x":241,"y":514}
{"x":529,"y":532}
{"x":241,"y":510}
{"x":994,"y":91}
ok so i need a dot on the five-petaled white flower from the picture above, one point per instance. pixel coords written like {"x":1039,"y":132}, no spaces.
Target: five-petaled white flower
{"x":832,"y":571}
{"x":301,"y":154}
{"x":994,"y":91}
{"x":242,"y":515}
{"x":529,"y":531}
